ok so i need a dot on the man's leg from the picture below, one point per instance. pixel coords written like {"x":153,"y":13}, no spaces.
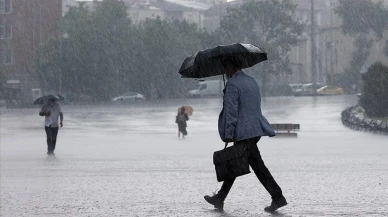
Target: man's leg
{"x":49,"y":135}
{"x":184,"y":131}
{"x":225,"y":188}
{"x":54,"y":138}
{"x":262,"y":172}
{"x":265,"y":177}
{"x":218,"y":199}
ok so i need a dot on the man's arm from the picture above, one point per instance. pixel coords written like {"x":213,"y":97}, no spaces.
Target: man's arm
{"x":230,"y":110}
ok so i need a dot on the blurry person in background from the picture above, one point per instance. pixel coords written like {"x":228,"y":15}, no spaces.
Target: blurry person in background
{"x":51,"y":111}
{"x":181,"y":119}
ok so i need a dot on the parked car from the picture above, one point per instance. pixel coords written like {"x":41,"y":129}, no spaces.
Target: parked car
{"x":208,"y":88}
{"x":307,"y":89}
{"x":129,"y":97}
{"x":295,"y":87}
{"x":73,"y":97}
{"x":330,"y":90}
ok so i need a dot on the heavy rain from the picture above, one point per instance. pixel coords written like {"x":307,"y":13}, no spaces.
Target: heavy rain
{"x":112,"y":108}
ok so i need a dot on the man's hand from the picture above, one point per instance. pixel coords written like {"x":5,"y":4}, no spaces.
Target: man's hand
{"x":61,"y":124}
{"x":227,"y":140}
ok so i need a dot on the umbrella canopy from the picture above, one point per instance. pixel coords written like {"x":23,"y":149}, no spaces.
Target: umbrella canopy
{"x":60,"y":97}
{"x":209,"y":62}
{"x":188,"y":110}
{"x":44,"y":99}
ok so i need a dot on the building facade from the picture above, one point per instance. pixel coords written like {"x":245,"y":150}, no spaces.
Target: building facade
{"x":140,"y":10}
{"x":24,"y":26}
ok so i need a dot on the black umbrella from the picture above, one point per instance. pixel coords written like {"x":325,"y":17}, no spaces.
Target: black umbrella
{"x":44,"y":99}
{"x":209,"y":62}
{"x":60,"y":97}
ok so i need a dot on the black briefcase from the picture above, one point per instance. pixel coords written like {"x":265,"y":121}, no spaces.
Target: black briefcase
{"x":231,"y":162}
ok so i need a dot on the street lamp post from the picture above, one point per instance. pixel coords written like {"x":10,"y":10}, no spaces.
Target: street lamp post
{"x":313,"y":50}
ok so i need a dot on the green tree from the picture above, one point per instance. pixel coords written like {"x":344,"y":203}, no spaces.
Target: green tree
{"x":47,"y":66}
{"x":162,"y":47}
{"x":358,"y":60}
{"x":360,"y":18}
{"x":386,"y":48}
{"x":63,"y":60}
{"x":104,"y":54}
{"x":374,"y":95}
{"x":93,"y":59}
{"x":113,"y":44}
{"x":270,"y":24}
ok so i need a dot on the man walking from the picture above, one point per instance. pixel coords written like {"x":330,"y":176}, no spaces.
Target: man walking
{"x":241,"y":121}
{"x":51,"y":111}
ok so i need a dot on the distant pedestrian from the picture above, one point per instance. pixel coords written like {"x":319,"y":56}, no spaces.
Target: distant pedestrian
{"x":51,"y":111}
{"x":242,"y":122}
{"x":181,"y":119}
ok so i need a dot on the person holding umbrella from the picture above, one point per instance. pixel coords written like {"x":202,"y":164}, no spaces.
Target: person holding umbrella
{"x":51,"y":111}
{"x":241,"y":120}
{"x":182,"y":118}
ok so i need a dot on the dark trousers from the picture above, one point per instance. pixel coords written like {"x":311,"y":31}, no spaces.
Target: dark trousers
{"x":182,"y":129}
{"x":258,"y":167}
{"x":51,"y":133}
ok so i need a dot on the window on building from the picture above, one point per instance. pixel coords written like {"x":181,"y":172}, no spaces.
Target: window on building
{"x":5,"y":31}
{"x":6,"y":56}
{"x":5,"y":6}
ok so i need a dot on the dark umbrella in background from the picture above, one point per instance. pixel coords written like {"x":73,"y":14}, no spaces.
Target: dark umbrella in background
{"x":44,"y":99}
{"x":60,"y":97}
{"x":209,"y":62}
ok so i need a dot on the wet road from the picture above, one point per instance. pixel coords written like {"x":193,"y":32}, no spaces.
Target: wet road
{"x":126,"y":160}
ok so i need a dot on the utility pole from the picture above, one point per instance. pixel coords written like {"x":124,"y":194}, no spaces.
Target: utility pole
{"x":313,"y":51}
{"x":61,"y":63}
{"x":332,"y":45}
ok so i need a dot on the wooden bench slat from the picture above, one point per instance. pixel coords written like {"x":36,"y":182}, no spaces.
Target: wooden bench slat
{"x":286,"y":127}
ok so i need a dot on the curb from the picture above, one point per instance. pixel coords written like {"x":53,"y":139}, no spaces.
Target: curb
{"x":349,"y":119}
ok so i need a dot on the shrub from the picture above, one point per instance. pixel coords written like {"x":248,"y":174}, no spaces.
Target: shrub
{"x":374,"y":97}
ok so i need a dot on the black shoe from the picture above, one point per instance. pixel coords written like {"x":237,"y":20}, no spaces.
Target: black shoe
{"x":216,"y":201}
{"x":276,"y":204}
{"x":50,"y":153}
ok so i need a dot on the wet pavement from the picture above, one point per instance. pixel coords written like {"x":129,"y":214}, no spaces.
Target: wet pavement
{"x":126,"y":160}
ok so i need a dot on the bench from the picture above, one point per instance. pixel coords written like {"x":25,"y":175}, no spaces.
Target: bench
{"x":286,"y":129}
